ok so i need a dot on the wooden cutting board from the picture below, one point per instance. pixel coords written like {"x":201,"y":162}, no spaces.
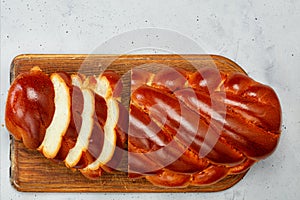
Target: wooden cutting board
{"x":30,"y":171}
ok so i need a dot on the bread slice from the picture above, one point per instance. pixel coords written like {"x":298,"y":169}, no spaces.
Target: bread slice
{"x":85,"y":132}
{"x":61,"y":118}
{"x":101,"y":86}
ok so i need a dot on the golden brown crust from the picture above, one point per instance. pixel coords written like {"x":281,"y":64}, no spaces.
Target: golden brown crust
{"x":229,"y":121}
{"x":184,"y":128}
{"x":30,"y":107}
{"x":32,"y":95}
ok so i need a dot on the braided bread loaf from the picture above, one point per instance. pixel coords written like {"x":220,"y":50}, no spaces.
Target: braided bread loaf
{"x":183,"y":128}
{"x":197,"y":128}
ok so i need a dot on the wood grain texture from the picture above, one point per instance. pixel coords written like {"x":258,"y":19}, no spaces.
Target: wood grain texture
{"x":30,"y":171}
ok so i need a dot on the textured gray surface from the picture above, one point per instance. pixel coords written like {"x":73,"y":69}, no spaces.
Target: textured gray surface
{"x":261,"y":36}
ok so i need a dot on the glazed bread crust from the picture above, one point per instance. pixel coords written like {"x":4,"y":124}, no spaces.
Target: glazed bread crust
{"x":182,"y":128}
{"x":210,"y":124}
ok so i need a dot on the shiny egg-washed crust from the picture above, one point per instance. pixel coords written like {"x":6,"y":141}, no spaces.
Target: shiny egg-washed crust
{"x":184,"y":128}
{"x":197,"y":128}
{"x":30,"y":110}
{"x":30,"y":107}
